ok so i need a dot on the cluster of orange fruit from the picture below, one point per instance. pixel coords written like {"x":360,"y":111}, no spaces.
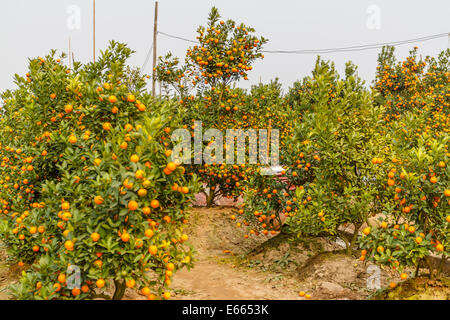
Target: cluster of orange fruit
{"x":420,"y":85}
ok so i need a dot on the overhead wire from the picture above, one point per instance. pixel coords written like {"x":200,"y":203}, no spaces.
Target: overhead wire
{"x":147,"y":58}
{"x":337,"y":49}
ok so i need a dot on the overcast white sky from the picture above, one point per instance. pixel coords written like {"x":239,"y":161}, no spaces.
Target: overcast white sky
{"x":30,"y":28}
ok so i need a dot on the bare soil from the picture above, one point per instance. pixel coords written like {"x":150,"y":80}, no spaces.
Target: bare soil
{"x":8,"y":274}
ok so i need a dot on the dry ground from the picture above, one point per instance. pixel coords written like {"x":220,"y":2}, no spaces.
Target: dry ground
{"x":229,"y":266}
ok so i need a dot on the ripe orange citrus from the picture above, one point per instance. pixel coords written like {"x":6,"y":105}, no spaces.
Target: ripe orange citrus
{"x":366,"y":231}
{"x":98,"y":200}
{"x":95,"y":236}
{"x":153,"y":249}
{"x":154,"y":204}
{"x":131,"y":98}
{"x":139,"y":174}
{"x":72,"y":139}
{"x":68,"y":108}
{"x":148,"y":233}
{"x":100,"y":283}
{"x":133,"y":205}
{"x":130,"y":283}
{"x":69,"y":245}
{"x":145,"y":291}
{"x":134,"y":158}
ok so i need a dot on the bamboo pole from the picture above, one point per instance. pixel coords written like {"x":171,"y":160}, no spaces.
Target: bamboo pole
{"x":269,"y":130}
{"x":93,"y":34}
{"x":155,"y":33}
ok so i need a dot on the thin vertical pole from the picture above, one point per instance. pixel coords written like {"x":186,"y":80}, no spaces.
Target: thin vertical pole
{"x":155,"y":32}
{"x":93,"y":35}
{"x":70,"y":54}
{"x":268,"y":139}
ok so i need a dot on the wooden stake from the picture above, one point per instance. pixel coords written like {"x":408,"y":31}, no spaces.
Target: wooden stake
{"x":155,"y":33}
{"x":93,"y":52}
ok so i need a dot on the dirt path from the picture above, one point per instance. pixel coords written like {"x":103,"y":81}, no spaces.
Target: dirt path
{"x":212,"y":280}
{"x":8,"y":274}
{"x":225,"y":270}
{"x":215,"y":275}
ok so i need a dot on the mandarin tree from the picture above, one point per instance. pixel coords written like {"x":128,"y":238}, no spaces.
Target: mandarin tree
{"x":109,"y":210}
{"x":415,"y":84}
{"x":205,"y":88}
{"x":415,"y":227}
{"x":333,"y":165}
{"x":270,"y":199}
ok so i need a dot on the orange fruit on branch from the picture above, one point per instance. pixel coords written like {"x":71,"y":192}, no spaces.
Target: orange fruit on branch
{"x":133,"y":205}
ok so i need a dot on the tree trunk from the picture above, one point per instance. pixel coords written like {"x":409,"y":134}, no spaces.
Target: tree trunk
{"x":210,"y":198}
{"x":430,"y":267}
{"x":354,"y":237}
{"x":120,"y":290}
{"x":417,"y":268}
{"x":344,"y":238}
{"x":441,"y":266}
